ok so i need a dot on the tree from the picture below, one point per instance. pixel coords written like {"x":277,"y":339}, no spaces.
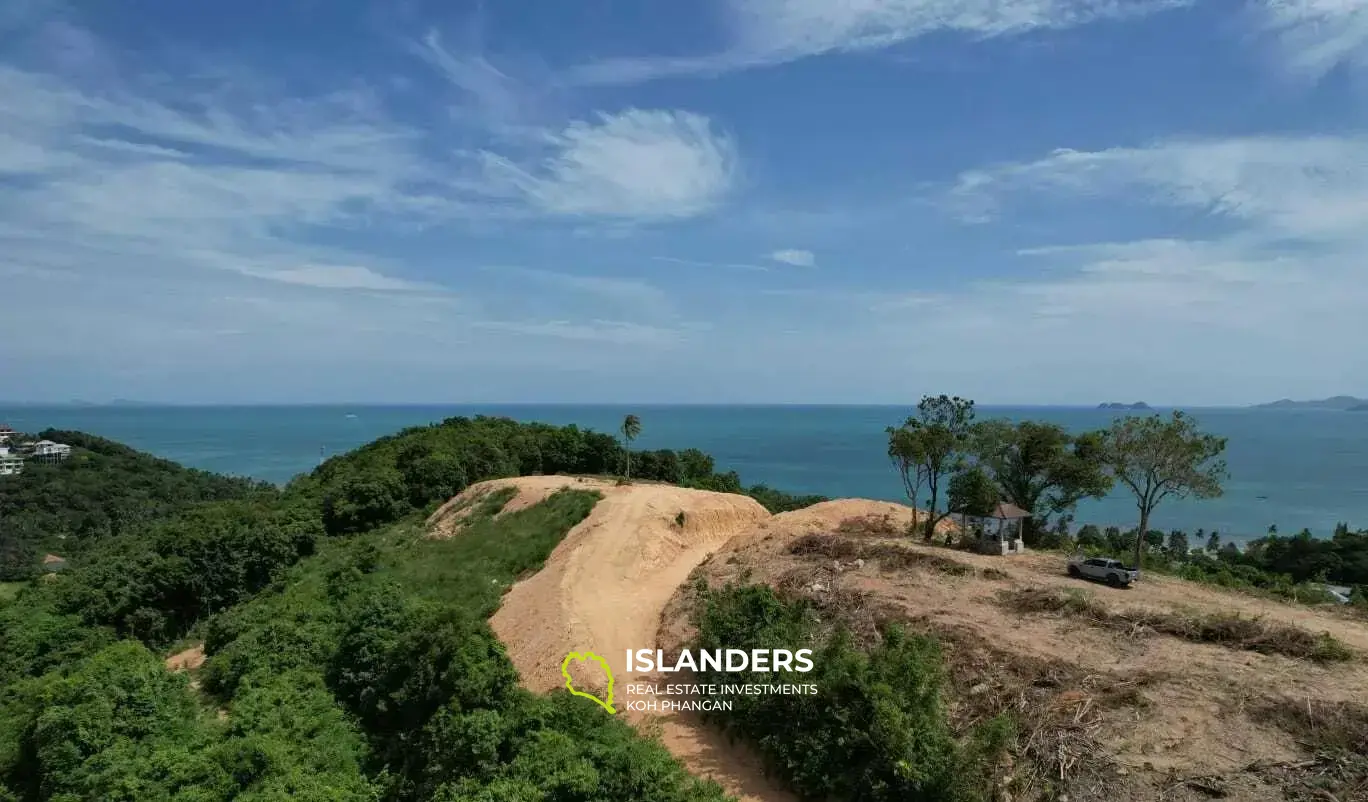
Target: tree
{"x":1156,"y":458}
{"x":1178,"y":547}
{"x":1040,"y":467}
{"x":631,"y":428}
{"x":930,"y":446}
{"x":1214,"y":542}
{"x":971,"y":492}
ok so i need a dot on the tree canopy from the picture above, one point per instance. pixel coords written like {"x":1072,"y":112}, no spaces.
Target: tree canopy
{"x":1040,"y":467}
{"x":1157,"y":458}
{"x":102,"y":490}
{"x":929,"y":447}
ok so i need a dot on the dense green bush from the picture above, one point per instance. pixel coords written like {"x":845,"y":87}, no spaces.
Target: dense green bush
{"x":381,"y":482}
{"x":876,"y":729}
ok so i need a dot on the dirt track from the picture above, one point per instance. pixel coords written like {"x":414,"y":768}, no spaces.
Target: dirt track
{"x":614,"y":583}
{"x":603,"y":590}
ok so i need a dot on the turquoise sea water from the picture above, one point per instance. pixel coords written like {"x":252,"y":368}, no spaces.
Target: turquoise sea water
{"x":1311,"y":466}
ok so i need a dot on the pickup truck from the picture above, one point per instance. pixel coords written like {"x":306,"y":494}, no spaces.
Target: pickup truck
{"x":1103,"y":569}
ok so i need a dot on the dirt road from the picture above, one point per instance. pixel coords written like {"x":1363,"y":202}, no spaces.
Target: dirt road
{"x":603,"y":590}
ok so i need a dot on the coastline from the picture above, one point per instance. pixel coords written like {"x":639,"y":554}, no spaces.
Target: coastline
{"x":1306,"y":463}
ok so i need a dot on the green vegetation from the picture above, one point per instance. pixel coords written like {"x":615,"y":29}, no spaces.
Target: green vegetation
{"x":418,"y":467}
{"x":367,"y":671}
{"x":1294,"y":567}
{"x":1157,"y":459}
{"x":348,"y":657}
{"x":631,"y":430}
{"x":102,"y":490}
{"x":877,"y":731}
{"x":929,"y":448}
{"x":1038,"y":467}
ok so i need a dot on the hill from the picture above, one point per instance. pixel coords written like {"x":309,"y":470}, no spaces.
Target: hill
{"x":103,"y":489}
{"x":343,"y":655}
{"x":1342,"y":402}
{"x":1138,"y":405}
{"x":391,"y":627}
{"x":1117,"y":695}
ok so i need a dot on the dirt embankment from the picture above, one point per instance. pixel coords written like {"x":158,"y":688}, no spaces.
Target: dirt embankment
{"x":1122,"y":715}
{"x":603,"y":590}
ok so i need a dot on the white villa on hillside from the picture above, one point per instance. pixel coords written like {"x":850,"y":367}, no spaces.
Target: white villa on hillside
{"x":48,"y":451}
{"x":10,"y":463}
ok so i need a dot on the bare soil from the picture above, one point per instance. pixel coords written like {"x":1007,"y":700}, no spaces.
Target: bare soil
{"x":1122,"y":715}
{"x":1112,"y":715}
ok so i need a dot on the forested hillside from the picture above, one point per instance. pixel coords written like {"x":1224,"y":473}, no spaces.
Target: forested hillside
{"x":348,"y":657}
{"x":382,"y":481}
{"x":103,"y":489}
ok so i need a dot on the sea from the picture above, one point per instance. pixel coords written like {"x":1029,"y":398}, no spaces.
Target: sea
{"x":1292,"y":469}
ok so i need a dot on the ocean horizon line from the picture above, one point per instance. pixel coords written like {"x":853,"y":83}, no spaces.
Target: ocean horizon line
{"x":608,"y":404}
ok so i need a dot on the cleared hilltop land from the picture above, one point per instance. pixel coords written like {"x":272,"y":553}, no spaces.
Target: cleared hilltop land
{"x":1171,"y":690}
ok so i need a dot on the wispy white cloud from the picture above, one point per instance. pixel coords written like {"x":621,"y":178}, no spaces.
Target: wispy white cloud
{"x":638,"y":163}
{"x":1267,"y":299}
{"x":1310,"y":187}
{"x":636,"y":295}
{"x":768,"y":32}
{"x":798,"y":258}
{"x":217,"y":208}
{"x":617,"y":332}
{"x":1316,"y":36}
{"x":702,"y":263}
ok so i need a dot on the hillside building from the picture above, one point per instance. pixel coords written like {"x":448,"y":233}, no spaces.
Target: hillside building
{"x":11,"y":464}
{"x":48,"y":451}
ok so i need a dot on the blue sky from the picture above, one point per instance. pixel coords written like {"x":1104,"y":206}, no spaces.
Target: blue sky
{"x":822,"y":201}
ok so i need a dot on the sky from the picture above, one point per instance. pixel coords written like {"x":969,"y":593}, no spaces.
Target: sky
{"x":721,"y":201}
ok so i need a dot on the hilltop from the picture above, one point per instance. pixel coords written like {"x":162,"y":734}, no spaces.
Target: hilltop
{"x":1138,"y":405}
{"x":1089,"y":671}
{"x":393,"y":625}
{"x":1341,"y":402}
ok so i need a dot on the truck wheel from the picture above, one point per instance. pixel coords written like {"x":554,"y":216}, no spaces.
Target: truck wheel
{"x":1074,"y":572}
{"x":1114,"y":580}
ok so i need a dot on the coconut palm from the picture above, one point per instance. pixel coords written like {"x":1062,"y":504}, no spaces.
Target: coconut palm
{"x":631,"y":428}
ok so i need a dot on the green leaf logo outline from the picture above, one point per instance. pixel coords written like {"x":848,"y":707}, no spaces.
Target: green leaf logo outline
{"x":570,"y":686}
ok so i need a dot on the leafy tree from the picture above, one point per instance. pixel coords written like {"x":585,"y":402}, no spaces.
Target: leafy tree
{"x":1178,"y":546}
{"x":1040,"y":467}
{"x":972,"y":492}
{"x":929,"y":447}
{"x":1089,"y":536}
{"x":631,"y":429}
{"x":1213,"y":543}
{"x":1156,"y":458}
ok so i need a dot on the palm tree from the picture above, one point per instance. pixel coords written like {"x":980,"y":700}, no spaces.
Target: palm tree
{"x":631,"y":428}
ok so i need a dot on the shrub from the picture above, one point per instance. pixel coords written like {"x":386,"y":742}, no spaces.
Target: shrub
{"x":876,"y":729}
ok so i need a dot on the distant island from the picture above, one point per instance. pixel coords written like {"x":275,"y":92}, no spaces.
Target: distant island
{"x":1119,"y":405}
{"x":1339,"y":402}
